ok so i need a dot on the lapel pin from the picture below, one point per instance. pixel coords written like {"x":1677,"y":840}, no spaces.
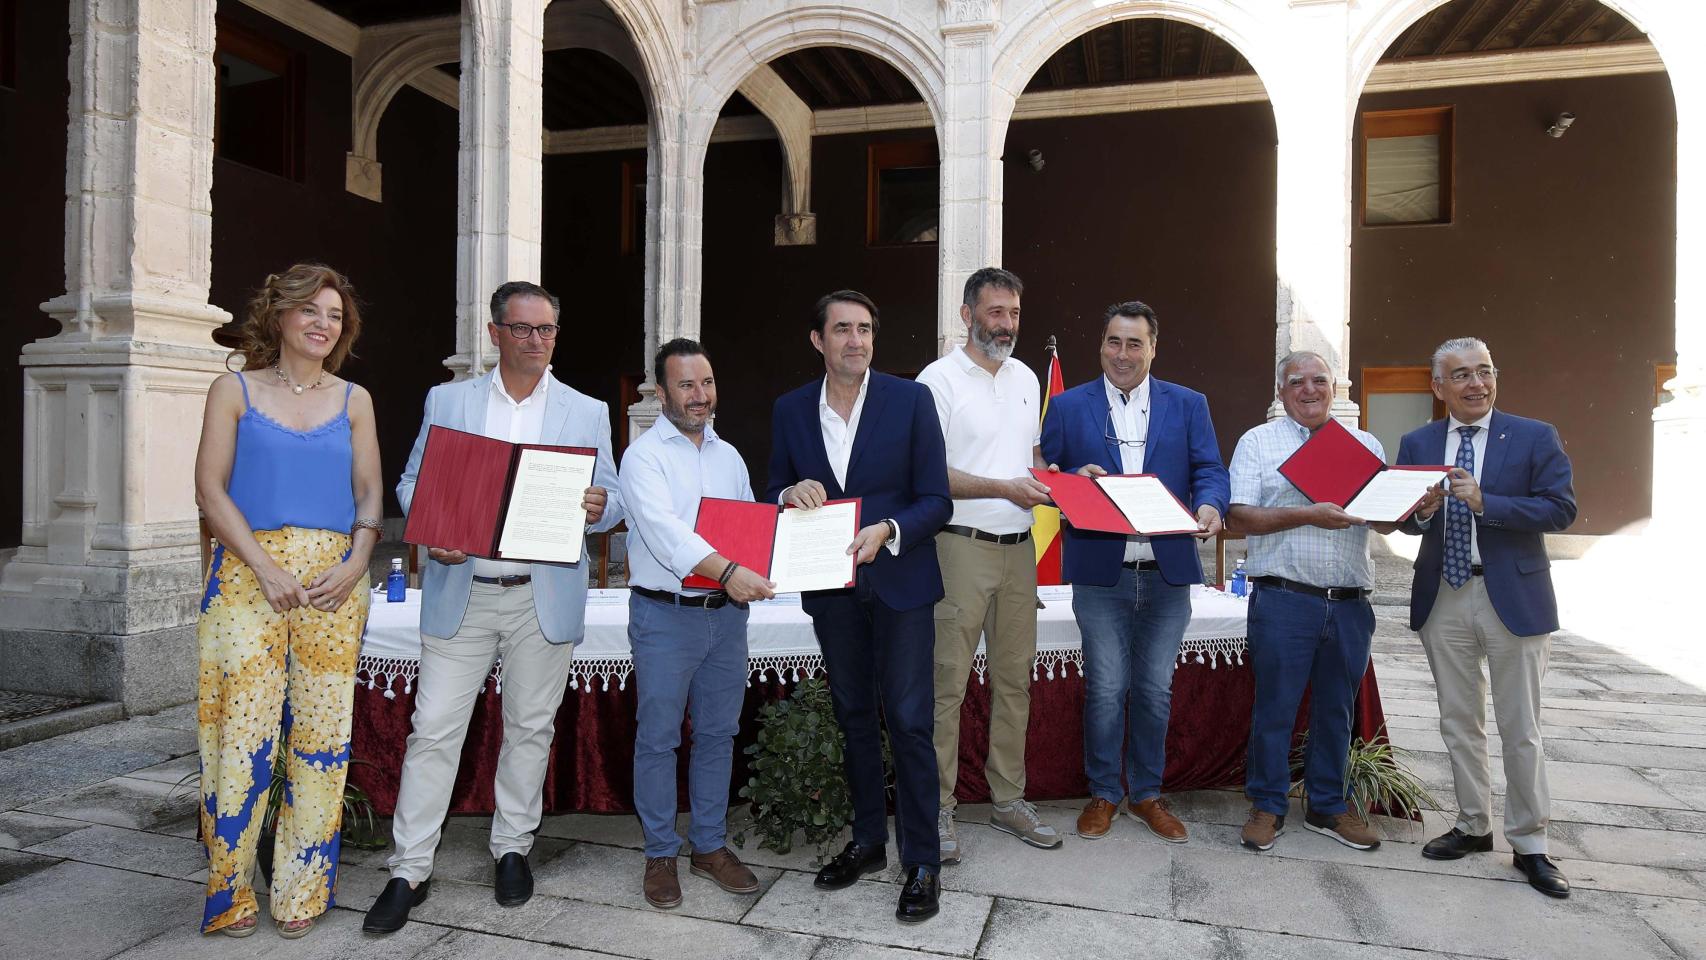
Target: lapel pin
{"x":1501,"y":436}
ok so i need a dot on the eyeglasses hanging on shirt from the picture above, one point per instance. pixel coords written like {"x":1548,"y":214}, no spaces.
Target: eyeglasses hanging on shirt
{"x":1111,"y":435}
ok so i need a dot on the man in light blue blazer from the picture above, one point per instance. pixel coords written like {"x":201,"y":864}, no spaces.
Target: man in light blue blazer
{"x":476,"y":610}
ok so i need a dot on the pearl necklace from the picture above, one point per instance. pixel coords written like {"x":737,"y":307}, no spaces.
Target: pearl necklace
{"x":298,"y":387}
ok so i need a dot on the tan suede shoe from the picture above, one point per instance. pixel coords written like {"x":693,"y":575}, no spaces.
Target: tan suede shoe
{"x":724,"y":869}
{"x":663,"y":889}
{"x":1153,"y":813}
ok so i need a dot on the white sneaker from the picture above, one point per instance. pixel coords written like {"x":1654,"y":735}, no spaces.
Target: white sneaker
{"x":946,"y":836}
{"x":1020,"y":819}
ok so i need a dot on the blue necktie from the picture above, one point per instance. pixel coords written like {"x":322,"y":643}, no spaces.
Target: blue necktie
{"x":1458,"y":522}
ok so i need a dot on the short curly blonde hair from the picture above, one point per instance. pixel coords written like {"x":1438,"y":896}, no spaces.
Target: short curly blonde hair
{"x":260,"y":333}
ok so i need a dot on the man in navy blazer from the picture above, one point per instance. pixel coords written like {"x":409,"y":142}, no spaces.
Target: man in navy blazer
{"x":1483,"y":591}
{"x":1132,"y":596}
{"x":859,"y":433}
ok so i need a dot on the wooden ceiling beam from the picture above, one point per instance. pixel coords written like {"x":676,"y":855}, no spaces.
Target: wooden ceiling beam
{"x":1417,"y":32}
{"x":1092,"y":62}
{"x":1625,"y":32}
{"x":1205,"y":56}
{"x":1169,"y":46}
{"x":896,"y":88}
{"x":841,"y":63}
{"x":1595,"y":11}
{"x":1492,"y":34}
{"x":1130,"y":53}
{"x":1056,"y":67}
{"x":813,"y":74}
{"x":1546,"y":23}
{"x":1470,"y":13}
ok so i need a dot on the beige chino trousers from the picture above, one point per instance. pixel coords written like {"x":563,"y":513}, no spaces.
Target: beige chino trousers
{"x":990,"y":591}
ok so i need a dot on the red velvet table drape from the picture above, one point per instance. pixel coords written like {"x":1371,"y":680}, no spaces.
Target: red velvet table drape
{"x":591,"y":767}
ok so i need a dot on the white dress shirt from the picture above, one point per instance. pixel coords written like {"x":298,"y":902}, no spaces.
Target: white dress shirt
{"x":1454,"y":440}
{"x":518,"y":421}
{"x":1307,"y":554}
{"x":663,"y":477}
{"x":991,"y":427}
{"x":838,"y":437}
{"x":1128,"y":414}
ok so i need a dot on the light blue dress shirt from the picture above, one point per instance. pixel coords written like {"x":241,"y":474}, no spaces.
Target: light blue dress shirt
{"x":663,"y":477}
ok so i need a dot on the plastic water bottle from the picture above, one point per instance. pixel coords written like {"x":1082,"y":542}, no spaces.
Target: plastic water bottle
{"x":396,"y":583}
{"x":1240,"y":583}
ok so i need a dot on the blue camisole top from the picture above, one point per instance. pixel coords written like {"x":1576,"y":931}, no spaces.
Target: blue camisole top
{"x":293,"y":478}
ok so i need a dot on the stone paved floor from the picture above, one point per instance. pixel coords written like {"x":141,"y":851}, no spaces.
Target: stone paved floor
{"x":98,"y":857}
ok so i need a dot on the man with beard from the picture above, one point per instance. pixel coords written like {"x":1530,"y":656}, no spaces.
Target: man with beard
{"x":987,"y":403}
{"x":689,"y":645}
{"x":856,"y":433}
{"x":1132,"y":596}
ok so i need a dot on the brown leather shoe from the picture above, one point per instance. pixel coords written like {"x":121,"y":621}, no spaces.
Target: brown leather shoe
{"x":1153,"y":813}
{"x":1097,"y":818}
{"x":724,"y":869}
{"x":663,"y":890}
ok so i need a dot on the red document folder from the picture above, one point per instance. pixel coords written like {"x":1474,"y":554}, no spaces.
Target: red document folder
{"x":1333,"y":466}
{"x":744,"y":532}
{"x":1088,"y":507}
{"x":462,"y":491}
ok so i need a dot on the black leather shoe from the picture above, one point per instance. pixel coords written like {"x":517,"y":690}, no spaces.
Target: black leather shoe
{"x":854,"y":861}
{"x":512,"y":880}
{"x":1453,"y":845}
{"x":1543,"y":874}
{"x":391,"y":910}
{"x":918,"y":896}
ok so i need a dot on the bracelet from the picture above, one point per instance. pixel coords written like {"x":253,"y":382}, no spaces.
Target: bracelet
{"x":728,"y":572}
{"x":377,"y":526}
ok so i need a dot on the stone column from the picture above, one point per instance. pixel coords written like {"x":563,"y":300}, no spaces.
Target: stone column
{"x":500,"y":170}
{"x":675,"y":203}
{"x":1679,"y":425}
{"x":100,"y":600}
{"x":970,"y":141}
{"x":1313,"y":107}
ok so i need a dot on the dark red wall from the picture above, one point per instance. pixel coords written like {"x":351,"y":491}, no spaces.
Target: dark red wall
{"x":400,"y":254}
{"x":1171,"y":207}
{"x":32,"y":247}
{"x":1561,"y":255}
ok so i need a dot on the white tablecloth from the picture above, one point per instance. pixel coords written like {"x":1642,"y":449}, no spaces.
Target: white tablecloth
{"x":780,"y":639}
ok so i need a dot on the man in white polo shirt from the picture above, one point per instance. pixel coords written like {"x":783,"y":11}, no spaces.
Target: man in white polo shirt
{"x":988,"y":404}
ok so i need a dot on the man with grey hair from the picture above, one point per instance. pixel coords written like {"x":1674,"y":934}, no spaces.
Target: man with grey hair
{"x":1483,"y":592}
{"x":1310,"y":623}
{"x":989,"y":407}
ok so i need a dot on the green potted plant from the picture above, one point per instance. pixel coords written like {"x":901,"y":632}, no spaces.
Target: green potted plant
{"x":1376,"y":778}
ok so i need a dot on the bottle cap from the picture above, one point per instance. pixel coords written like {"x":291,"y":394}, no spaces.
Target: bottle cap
{"x":396,"y":563}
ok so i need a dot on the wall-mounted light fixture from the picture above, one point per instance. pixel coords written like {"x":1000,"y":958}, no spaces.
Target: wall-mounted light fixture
{"x":1561,"y":124}
{"x":1035,"y":159}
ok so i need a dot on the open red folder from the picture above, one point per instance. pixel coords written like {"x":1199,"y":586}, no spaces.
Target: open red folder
{"x":746,"y":533}
{"x":462,"y":494}
{"x":1135,"y":503}
{"x":1333,"y":466}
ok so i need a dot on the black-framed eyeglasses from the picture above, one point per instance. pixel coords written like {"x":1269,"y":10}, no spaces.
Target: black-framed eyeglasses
{"x":1110,"y":435}
{"x":521,"y":331}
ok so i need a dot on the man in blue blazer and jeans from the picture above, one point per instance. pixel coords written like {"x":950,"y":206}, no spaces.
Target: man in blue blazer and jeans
{"x":1132,"y":596}
{"x":859,"y":433}
{"x":1483,"y":592}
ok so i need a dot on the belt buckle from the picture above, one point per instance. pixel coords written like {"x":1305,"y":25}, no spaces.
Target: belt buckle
{"x":715,"y":600}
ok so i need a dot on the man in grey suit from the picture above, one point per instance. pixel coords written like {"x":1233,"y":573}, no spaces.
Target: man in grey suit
{"x":475,"y":610}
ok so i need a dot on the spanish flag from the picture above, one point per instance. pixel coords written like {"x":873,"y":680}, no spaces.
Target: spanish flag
{"x":1045,"y":526}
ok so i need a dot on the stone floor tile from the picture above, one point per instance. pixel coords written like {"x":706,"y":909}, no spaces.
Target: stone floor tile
{"x":24,"y":783}
{"x":621,"y":830}
{"x":803,"y":856}
{"x":37,"y":911}
{"x":612,"y":875}
{"x":76,"y":756}
{"x":359,"y":884}
{"x":182,"y":717}
{"x":1628,"y":754}
{"x":468,"y":906}
{"x":336,"y":936}
{"x":148,"y":805}
{"x":463,"y":944}
{"x":151,"y":853}
{"x":1419,"y":910}
{"x":1127,"y":871}
{"x":172,"y":771}
{"x":831,"y":949}
{"x":1681,"y":924}
{"x":465,"y":854}
{"x":1689,"y":787}
{"x":15,"y":865}
{"x":1025,"y":931}
{"x":865,"y":912}
{"x":659,"y":935}
{"x":1279,"y":946}
{"x":1634,"y":845}
{"x":1695,"y":741}
{"x":139,"y":736}
{"x":19,"y":830}
{"x":1627,"y":815}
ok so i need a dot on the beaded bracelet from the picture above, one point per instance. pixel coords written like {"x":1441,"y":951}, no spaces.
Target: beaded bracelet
{"x":728,"y":572}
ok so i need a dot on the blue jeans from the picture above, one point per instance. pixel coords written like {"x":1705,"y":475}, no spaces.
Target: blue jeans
{"x":1298,"y":641}
{"x":1131,"y":633}
{"x":685,"y":658}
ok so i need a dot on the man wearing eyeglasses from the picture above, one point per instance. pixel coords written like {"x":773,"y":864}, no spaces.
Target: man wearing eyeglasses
{"x":1132,"y":596}
{"x":1483,"y":592}
{"x":476,"y":610}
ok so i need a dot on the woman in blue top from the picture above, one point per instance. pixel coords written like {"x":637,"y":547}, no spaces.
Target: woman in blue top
{"x":288,"y":478}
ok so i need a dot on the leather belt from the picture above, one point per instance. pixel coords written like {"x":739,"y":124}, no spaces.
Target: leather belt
{"x":1326,"y":593}
{"x":976,"y":534}
{"x":1476,"y":570}
{"x":1141,"y":565}
{"x":709,"y":601}
{"x":520,"y":581}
